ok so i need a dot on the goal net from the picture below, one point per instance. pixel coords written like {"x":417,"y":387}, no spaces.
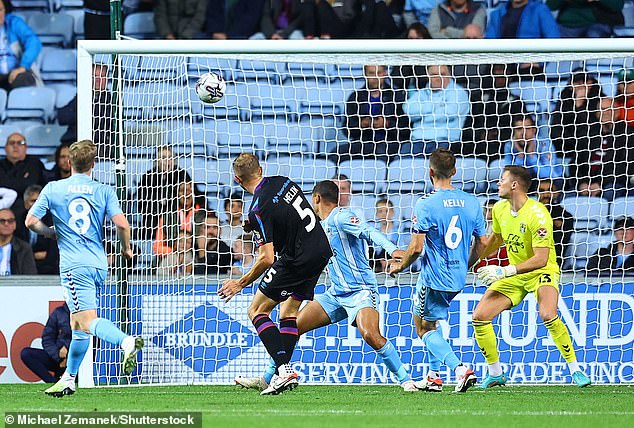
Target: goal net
{"x":371,"y":111}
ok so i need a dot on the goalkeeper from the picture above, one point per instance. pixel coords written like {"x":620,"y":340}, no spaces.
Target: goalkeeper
{"x":526,"y":228}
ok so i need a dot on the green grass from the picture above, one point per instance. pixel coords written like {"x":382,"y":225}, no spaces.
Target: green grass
{"x":352,"y":406}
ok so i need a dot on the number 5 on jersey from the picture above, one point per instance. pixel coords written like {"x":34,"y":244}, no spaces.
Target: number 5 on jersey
{"x":305,"y":212}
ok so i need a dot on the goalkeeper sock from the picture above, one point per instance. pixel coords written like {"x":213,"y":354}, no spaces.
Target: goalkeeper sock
{"x":485,"y":336}
{"x":561,"y":337}
{"x":76,"y":351}
{"x":434,"y":363}
{"x":270,"y":371}
{"x":289,"y":334}
{"x":438,"y":346}
{"x":393,"y":361}
{"x":104,"y":329}
{"x":272,"y":339}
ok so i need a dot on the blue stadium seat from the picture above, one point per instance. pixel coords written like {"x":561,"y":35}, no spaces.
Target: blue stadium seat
{"x":471,"y":175}
{"x":153,"y":68}
{"x":104,"y":172}
{"x":404,"y":205}
{"x":366,"y":175}
{"x":535,"y":94}
{"x":494,"y":172}
{"x":140,"y":26}
{"x":5,"y":131}
{"x":78,"y":22}
{"x":282,"y":137}
{"x":67,"y":4}
{"x":322,"y":99}
{"x":623,"y":206}
{"x":134,"y":170}
{"x":350,"y":72}
{"x":268,"y":101}
{"x":138,"y":103}
{"x":608,"y":84}
{"x":52,"y":28}
{"x":259,"y":71}
{"x":196,"y":66}
{"x":608,"y":65}
{"x":590,"y":213}
{"x":366,"y":203}
{"x":196,"y":166}
{"x":408,"y":174}
{"x":301,"y":72}
{"x":59,"y":65}
{"x":3,"y":104}
{"x":40,"y":5}
{"x":31,"y":103}
{"x":44,"y":139}
{"x":560,"y":70}
{"x":219,"y":179}
{"x":233,"y":137}
{"x":582,"y":246}
{"x":324,"y":129}
{"x":169,"y":100}
{"x":306,"y":171}
{"x":64,"y":93}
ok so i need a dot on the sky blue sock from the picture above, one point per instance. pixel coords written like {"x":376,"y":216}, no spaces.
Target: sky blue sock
{"x":434,"y":363}
{"x":76,"y":351}
{"x":393,"y":361}
{"x":270,"y":371}
{"x":105,"y":330}
{"x":437,"y":345}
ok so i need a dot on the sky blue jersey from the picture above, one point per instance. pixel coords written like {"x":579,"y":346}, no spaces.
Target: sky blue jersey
{"x":79,"y":206}
{"x":349,"y":267}
{"x":449,"y":218}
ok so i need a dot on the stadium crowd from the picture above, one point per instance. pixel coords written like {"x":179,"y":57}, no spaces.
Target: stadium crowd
{"x":585,"y":146}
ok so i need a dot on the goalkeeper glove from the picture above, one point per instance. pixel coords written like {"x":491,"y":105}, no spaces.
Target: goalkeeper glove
{"x":490,"y":274}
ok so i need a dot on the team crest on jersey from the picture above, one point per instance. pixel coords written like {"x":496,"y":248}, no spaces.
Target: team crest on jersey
{"x":522,"y":227}
{"x":258,"y":238}
{"x":542,"y":232}
{"x":354,"y":220}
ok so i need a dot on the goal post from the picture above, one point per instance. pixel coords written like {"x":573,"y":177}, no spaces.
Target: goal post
{"x":291,"y":103}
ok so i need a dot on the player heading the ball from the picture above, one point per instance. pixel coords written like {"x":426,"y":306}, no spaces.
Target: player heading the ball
{"x":79,"y":206}
{"x":526,"y":228}
{"x":283,"y":223}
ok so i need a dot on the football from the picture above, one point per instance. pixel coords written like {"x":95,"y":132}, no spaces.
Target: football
{"x":211,"y":87}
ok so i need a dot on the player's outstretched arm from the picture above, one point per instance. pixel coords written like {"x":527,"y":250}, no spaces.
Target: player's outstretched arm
{"x":38,"y":226}
{"x":264,"y":260}
{"x":414,"y":249}
{"x":123,"y":233}
{"x":477,"y":249}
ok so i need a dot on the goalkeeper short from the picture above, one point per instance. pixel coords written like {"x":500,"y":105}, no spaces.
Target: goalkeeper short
{"x":518,"y":286}
{"x":80,"y":285}
{"x":348,"y":305}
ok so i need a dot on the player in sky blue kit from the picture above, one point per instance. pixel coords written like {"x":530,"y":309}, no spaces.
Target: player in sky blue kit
{"x":444,"y":223}
{"x":79,"y":206}
{"x":353,"y":293}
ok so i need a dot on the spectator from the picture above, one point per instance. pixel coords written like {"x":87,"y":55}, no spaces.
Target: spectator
{"x":180,"y":19}
{"x":7,"y":197}
{"x":233,"y":19}
{"x":374,"y":121}
{"x":281,"y":19}
{"x":181,"y":260}
{"x":230,"y":231}
{"x":19,"y":170}
{"x":411,"y":76}
{"x":242,"y":254}
{"x":376,"y":21}
{"x":624,"y":100}
{"x":618,"y":257}
{"x":157,"y":191}
{"x":45,"y":250}
{"x":574,"y":120}
{"x":101,"y":114}
{"x":589,"y":18}
{"x":345,"y":189}
{"x":56,"y":338}
{"x":588,"y":187}
{"x":385,"y":223}
{"x":97,"y":19}
{"x":522,"y":19}
{"x":527,"y":150}
{"x":457,"y":19}
{"x":437,"y":113}
{"x":498,"y":257}
{"x":213,"y":256}
{"x":492,"y":109}
{"x":418,"y":10}
{"x":16,"y":257}
{"x":61,"y":169}
{"x":170,"y":223}
{"x":19,"y":50}
{"x":563,"y":223}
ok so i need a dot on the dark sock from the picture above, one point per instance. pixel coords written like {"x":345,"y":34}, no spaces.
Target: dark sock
{"x":272,"y":339}
{"x":289,"y":333}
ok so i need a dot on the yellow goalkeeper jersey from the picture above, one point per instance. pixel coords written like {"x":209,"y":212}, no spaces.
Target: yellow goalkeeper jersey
{"x":531,"y":227}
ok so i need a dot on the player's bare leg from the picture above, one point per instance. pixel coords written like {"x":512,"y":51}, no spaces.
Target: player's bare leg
{"x":548,"y":297}
{"x":368,"y":325}
{"x":489,"y":307}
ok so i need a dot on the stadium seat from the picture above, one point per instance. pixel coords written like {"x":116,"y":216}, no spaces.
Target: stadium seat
{"x":323,"y":99}
{"x":40,"y":5}
{"x":170,"y":100}
{"x":268,"y":101}
{"x":494,"y":172}
{"x":3,"y":103}
{"x":196,"y":166}
{"x":44,"y":139}
{"x":5,"y":131}
{"x":608,"y":65}
{"x":196,"y":66}
{"x":219,"y":178}
{"x":623,"y":206}
{"x":366,"y":175}
{"x":134,"y":170}
{"x":535,"y":94}
{"x":64,"y":93}
{"x":138,"y":103}
{"x":31,"y":103}
{"x":140,"y":26}
{"x":104,"y":172}
{"x":582,"y":246}
{"x":59,"y":65}
{"x":350,"y":72}
{"x":301,"y":72}
{"x":608,"y":84}
{"x":590,"y":213}
{"x":408,"y":174}
{"x":52,"y":28}
{"x":67,"y":4}
{"x":404,"y":205}
{"x":78,"y":22}
{"x":262,"y":72}
{"x":560,"y":70}
{"x":366,"y":203}
{"x":157,"y":68}
{"x":471,"y":175}
{"x":324,"y":129}
{"x":283,"y":137}
{"x":233,"y":137}
{"x":306,"y":171}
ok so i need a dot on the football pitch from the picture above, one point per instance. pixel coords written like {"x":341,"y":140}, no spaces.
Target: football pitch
{"x":352,"y":406}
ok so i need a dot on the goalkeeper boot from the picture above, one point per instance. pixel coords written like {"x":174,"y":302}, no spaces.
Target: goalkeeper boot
{"x":466,"y":381}
{"x":131,"y":346}
{"x":64,"y":386}
{"x":409,"y":386}
{"x":252,"y":382}
{"x":430,"y":384}
{"x":491,"y":381}
{"x":287,"y":380}
{"x":581,"y":379}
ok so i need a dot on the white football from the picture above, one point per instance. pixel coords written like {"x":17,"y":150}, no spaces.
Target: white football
{"x":211,"y":87}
